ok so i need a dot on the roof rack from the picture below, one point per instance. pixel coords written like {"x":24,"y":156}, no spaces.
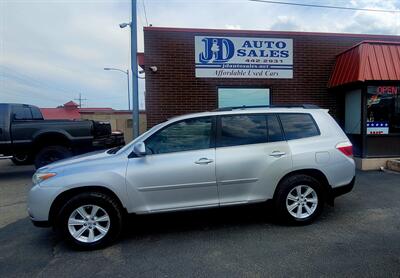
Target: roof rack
{"x":305,"y":106}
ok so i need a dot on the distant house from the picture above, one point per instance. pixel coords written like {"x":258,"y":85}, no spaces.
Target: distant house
{"x":120,"y":120}
{"x":69,"y":111}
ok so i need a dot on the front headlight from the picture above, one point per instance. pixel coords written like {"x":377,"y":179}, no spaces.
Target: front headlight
{"x":39,"y":177}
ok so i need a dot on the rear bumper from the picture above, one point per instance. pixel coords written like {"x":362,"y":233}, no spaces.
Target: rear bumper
{"x":338,"y":191}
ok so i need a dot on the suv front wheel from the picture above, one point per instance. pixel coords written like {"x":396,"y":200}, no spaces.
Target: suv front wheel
{"x":90,"y":220}
{"x":300,"y":199}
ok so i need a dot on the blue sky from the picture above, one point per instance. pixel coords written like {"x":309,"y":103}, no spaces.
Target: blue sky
{"x":50,"y":51}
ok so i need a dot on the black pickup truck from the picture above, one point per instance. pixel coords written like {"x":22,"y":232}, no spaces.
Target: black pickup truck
{"x":29,"y":139}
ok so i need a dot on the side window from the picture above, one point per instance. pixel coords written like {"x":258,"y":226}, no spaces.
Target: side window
{"x":22,"y":113}
{"x":274,"y":129}
{"x":187,"y":135}
{"x":298,"y":126}
{"x":36,"y":114}
{"x":242,"y":130}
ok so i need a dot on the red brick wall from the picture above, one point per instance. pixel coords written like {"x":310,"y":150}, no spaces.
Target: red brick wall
{"x":174,"y":89}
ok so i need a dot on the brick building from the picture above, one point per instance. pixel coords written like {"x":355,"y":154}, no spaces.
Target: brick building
{"x":197,"y":70}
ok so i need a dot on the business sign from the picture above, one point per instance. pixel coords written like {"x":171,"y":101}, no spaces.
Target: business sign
{"x":241,"y":57}
{"x":387,"y":90}
{"x":377,"y":128}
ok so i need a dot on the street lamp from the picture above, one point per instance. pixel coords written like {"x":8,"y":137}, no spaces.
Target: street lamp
{"x":135,"y":92}
{"x":127,"y":75}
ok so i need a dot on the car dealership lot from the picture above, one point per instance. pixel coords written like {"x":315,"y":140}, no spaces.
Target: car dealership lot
{"x":359,"y":236}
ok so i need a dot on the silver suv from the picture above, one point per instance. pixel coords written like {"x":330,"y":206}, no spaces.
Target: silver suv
{"x":296,"y":157}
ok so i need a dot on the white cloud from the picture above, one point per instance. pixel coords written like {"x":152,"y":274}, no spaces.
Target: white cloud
{"x":233,"y":26}
{"x":52,"y":50}
{"x":286,"y":23}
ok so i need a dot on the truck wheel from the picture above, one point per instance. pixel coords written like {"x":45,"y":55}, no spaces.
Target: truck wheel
{"x":299,"y":199}
{"x":51,"y":154}
{"x":21,"y":159}
{"x":90,"y":220}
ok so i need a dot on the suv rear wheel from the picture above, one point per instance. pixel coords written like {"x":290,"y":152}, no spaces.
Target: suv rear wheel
{"x":90,"y":220}
{"x":300,"y":199}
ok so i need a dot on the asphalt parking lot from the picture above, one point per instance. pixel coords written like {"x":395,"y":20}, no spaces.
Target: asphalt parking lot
{"x":360,"y":236}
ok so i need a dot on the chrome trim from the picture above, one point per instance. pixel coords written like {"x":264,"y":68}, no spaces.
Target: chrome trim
{"x":176,"y":186}
{"x":229,"y":182}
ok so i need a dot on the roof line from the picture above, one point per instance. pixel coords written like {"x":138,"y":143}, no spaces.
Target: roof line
{"x":368,"y":42}
{"x":235,"y":31}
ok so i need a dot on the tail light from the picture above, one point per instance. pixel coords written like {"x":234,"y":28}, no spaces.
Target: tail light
{"x":346,"y":148}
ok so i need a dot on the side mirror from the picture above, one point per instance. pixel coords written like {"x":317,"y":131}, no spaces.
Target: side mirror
{"x":139,"y":149}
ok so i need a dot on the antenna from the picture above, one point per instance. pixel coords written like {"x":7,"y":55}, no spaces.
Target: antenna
{"x":80,"y":100}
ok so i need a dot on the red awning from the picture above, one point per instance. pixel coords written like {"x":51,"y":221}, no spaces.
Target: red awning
{"x":368,"y":60}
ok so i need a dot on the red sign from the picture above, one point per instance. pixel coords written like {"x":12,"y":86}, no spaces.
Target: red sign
{"x":382,"y":90}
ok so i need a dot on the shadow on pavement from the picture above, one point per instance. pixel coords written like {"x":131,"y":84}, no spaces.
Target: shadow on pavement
{"x":138,"y":226}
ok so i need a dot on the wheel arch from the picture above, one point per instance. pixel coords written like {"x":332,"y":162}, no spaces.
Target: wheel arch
{"x":50,"y":138}
{"x":63,"y":197}
{"x":315,"y":173}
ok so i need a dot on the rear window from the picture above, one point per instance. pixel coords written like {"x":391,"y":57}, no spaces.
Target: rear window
{"x":36,"y":114}
{"x":298,"y":126}
{"x":242,"y":130}
{"x":22,"y":113}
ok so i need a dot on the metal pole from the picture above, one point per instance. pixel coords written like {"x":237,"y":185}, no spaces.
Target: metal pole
{"x":129,"y":93}
{"x":135,"y":93}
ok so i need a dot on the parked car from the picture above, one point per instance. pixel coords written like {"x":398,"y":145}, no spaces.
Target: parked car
{"x":30,"y":139}
{"x":296,"y":157}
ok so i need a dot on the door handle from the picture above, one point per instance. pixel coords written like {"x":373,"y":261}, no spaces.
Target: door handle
{"x":277,"y":154}
{"x":204,"y":160}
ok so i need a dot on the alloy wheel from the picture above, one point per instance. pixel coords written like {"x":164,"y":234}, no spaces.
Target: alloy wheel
{"x":302,"y":201}
{"x":88,"y":223}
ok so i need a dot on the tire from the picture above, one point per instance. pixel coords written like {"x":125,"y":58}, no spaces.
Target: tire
{"x":103,"y":232}
{"x":51,"y":154}
{"x":21,"y":159}
{"x":304,"y":209}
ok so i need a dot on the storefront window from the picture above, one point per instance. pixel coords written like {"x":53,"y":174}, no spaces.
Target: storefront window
{"x":231,"y":97}
{"x":383,"y":110}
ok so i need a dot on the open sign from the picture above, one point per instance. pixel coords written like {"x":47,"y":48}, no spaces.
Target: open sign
{"x":391,"y":90}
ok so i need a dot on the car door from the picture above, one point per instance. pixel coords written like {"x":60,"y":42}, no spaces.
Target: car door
{"x":178,"y":170}
{"x":251,"y":156}
{"x":5,"y":140}
{"x":21,"y":130}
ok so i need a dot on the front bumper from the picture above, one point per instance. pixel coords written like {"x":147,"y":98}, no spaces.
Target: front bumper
{"x":39,"y":203}
{"x":41,"y":224}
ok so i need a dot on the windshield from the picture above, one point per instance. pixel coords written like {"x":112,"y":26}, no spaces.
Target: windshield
{"x":126,"y":147}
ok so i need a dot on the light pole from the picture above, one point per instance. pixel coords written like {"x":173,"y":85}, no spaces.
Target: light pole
{"x":127,"y":77}
{"x":135,"y":92}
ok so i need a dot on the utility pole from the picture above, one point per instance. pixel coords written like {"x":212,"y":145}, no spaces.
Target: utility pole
{"x":134,"y":66}
{"x":80,"y":100}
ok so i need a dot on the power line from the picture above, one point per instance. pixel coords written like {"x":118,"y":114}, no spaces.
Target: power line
{"x":25,"y":80}
{"x":325,"y":6}
{"x":145,"y":14}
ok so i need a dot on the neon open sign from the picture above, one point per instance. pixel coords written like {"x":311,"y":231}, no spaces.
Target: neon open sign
{"x":383,"y":90}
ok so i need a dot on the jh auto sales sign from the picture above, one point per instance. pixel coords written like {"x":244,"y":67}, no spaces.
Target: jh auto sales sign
{"x":241,"y":57}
